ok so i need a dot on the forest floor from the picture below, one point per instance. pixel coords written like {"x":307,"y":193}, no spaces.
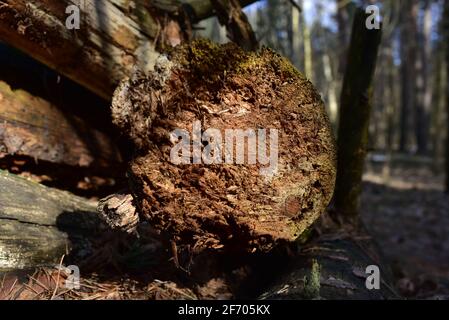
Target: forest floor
{"x":408,"y":215}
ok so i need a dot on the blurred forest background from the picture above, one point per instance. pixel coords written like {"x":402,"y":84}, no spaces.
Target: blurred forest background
{"x":409,"y":115}
{"x":403,"y":200}
{"x":405,"y":190}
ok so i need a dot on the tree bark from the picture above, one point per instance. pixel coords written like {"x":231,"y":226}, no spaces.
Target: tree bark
{"x":333,"y":268}
{"x":343,"y":33}
{"x":423,"y":86}
{"x":113,"y":36}
{"x":31,"y":126}
{"x":230,"y":15}
{"x":39,"y":224}
{"x":446,"y":35}
{"x":354,"y":116}
{"x":408,"y":59}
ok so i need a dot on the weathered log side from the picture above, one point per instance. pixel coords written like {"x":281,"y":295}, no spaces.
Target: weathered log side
{"x":37,"y":223}
{"x":230,"y":15}
{"x":333,"y":268}
{"x":32,"y":126}
{"x":114,"y":35}
{"x":111,"y":38}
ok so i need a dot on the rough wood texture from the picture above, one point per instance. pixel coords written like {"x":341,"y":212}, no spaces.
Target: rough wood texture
{"x":118,"y":212}
{"x":38,"y":223}
{"x":32,"y":126}
{"x":230,"y":15}
{"x":355,"y":109}
{"x":114,"y":35}
{"x":333,"y":268}
{"x":232,"y":205}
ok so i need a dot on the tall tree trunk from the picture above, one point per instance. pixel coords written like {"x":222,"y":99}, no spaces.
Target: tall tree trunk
{"x":343,"y":32}
{"x":354,"y":116}
{"x":296,"y":34}
{"x":408,"y":58}
{"x":308,"y":60}
{"x":423,"y":85}
{"x":446,"y":35}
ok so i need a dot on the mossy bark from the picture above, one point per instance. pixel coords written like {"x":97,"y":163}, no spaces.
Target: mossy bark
{"x":355,"y":109}
{"x":333,"y":269}
{"x":227,"y":205}
{"x":38,"y":224}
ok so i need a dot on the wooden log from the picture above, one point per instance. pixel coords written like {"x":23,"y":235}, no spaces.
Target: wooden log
{"x":34,"y":127}
{"x":230,"y":15}
{"x":39,"y":224}
{"x":238,"y":204}
{"x":98,"y":55}
{"x":114,"y":35}
{"x":333,"y":267}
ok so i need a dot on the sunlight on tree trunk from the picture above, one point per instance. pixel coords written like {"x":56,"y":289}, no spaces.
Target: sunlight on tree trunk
{"x":354,"y":116}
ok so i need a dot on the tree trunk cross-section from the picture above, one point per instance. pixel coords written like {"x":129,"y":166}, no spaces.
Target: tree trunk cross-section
{"x":232,"y":205}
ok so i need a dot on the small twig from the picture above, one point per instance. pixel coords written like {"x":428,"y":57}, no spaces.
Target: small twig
{"x":39,"y":283}
{"x":3,"y":281}
{"x":174,"y":249}
{"x":12,"y":287}
{"x":57,"y":278}
{"x":32,"y":289}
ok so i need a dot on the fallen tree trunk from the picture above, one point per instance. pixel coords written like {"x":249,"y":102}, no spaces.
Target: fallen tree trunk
{"x":334,"y":267}
{"x":209,"y":198}
{"x":114,"y":35}
{"x":33,"y":127}
{"x":39,"y":224}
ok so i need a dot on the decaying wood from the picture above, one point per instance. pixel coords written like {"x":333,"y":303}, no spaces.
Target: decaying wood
{"x":227,"y":205}
{"x":39,"y":224}
{"x":34,"y":127}
{"x":114,"y":35}
{"x":333,"y":268}
{"x":119,"y":212}
{"x":230,"y":15}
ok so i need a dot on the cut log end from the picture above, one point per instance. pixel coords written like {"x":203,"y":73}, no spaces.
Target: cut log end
{"x":213,"y":91}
